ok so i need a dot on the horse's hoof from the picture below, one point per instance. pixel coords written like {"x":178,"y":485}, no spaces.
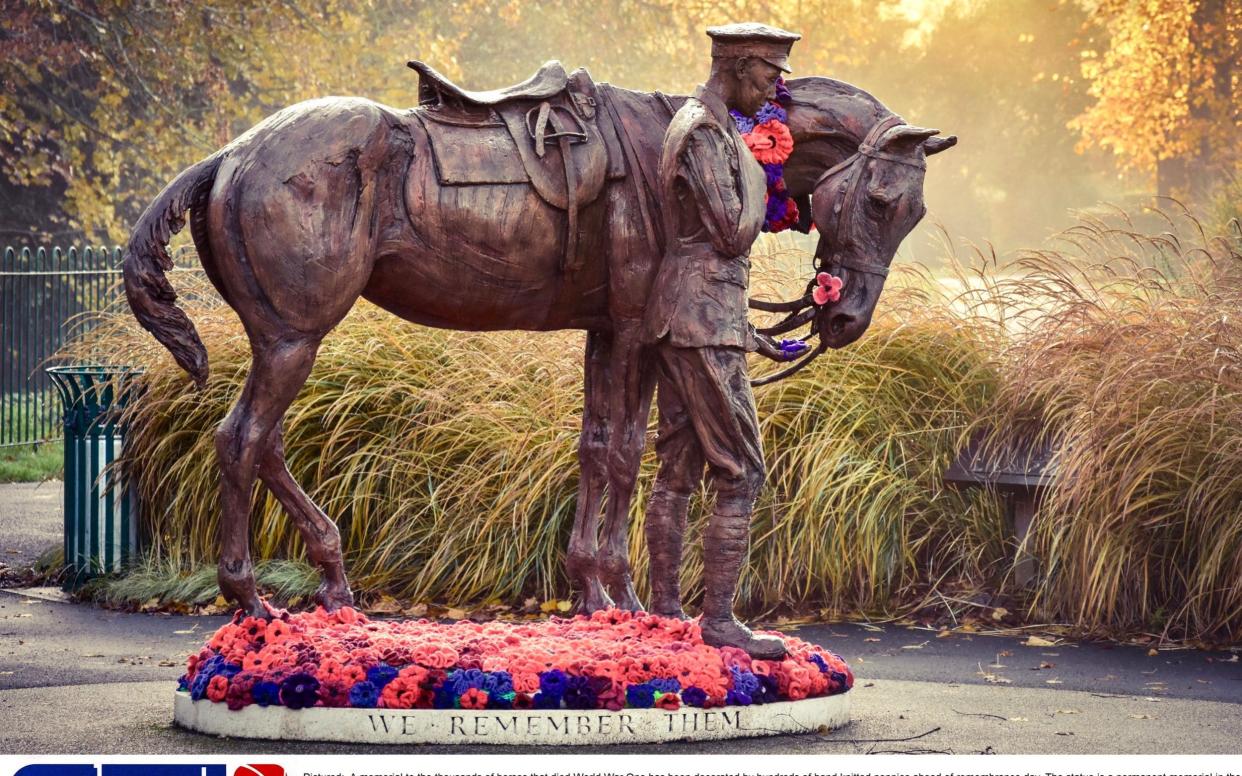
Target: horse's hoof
{"x":622,"y":590}
{"x":594,"y":599}
{"x":731,"y":633}
{"x":334,"y":597}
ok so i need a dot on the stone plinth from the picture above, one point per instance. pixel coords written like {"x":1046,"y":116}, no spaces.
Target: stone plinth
{"x":530,"y":727}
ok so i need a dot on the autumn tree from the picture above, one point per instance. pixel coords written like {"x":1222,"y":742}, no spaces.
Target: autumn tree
{"x":1164,"y":82}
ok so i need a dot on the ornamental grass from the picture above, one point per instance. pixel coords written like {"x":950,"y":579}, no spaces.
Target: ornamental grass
{"x":1129,"y":361}
{"x":449,"y":458}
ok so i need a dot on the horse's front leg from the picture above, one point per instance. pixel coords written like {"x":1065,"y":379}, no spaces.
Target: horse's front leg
{"x":630,"y":394}
{"x":582,"y":562}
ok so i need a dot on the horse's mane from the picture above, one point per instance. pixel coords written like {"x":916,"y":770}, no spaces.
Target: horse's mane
{"x":839,"y":107}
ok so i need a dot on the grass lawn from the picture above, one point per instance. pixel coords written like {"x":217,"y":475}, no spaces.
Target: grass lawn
{"x":27,"y":463}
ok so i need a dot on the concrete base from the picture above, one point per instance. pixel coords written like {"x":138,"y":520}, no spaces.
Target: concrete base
{"x":552,"y":728}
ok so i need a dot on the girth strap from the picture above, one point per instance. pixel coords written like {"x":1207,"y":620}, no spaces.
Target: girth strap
{"x":538,"y":121}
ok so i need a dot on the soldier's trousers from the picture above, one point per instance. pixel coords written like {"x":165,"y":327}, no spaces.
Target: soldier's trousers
{"x":707,"y":416}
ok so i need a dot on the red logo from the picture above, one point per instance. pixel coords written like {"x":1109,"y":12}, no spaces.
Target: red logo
{"x":266,"y":769}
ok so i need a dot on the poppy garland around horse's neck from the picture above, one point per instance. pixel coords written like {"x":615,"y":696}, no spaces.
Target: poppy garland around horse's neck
{"x":768,"y":137}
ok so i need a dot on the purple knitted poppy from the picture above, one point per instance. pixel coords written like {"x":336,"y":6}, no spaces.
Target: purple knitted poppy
{"x":744,"y":123}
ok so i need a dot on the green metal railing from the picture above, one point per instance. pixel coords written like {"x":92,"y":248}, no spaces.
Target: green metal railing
{"x":45,"y":300}
{"x":48,"y":298}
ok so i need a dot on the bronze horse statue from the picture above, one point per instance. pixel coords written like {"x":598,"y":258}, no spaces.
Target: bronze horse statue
{"x":528,"y":208}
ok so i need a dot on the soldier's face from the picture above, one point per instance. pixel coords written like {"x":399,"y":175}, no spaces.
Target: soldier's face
{"x":756,"y":85}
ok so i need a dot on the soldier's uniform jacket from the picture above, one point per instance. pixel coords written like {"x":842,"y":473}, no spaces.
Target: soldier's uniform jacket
{"x":713,"y":206}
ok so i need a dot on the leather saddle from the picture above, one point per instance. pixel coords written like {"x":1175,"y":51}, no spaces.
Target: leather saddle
{"x":544,"y":131}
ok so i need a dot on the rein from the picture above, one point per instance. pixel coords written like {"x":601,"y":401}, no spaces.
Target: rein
{"x":844,"y":209}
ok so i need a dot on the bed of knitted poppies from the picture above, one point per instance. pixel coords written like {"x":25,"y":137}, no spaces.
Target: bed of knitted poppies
{"x":609,"y":660}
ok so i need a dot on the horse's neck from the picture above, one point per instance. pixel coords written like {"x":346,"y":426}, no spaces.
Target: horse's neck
{"x":828,"y":119}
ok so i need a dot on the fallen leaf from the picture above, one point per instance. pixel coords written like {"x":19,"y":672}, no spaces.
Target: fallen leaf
{"x":415,"y":610}
{"x":1036,"y":641}
{"x":999,"y":613}
{"x":967,"y":627}
{"x":220,"y":602}
{"x":944,"y":633}
{"x":564,"y":606}
{"x":386,"y":605}
{"x":456,"y":614}
{"x":547,"y":607}
{"x":1153,"y":652}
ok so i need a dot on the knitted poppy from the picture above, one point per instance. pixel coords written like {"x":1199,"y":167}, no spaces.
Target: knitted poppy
{"x":266,"y":693}
{"x":667,"y":701}
{"x":693,"y":696}
{"x":523,"y":701}
{"x":640,"y":696}
{"x":381,"y":675}
{"x":474,"y":698}
{"x":827,"y":288}
{"x":299,"y":691}
{"x":217,"y":687}
{"x":771,"y":142}
{"x":553,"y":683}
{"x":578,"y":693}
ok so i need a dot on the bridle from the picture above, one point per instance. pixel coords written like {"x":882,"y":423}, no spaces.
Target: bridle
{"x":844,"y":208}
{"x":798,"y":309}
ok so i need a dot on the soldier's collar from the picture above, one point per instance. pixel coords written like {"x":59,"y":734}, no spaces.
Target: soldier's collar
{"x":714,"y":104}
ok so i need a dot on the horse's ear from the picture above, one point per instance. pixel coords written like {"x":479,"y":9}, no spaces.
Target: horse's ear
{"x":934,"y":145}
{"x":805,"y":218}
{"x":906,"y":134}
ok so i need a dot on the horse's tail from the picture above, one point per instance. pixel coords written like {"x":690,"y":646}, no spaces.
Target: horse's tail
{"x":150,"y":295}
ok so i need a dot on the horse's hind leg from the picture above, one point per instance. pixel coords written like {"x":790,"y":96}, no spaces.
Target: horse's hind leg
{"x":582,"y":562}
{"x":280,"y":366}
{"x":319,"y":533}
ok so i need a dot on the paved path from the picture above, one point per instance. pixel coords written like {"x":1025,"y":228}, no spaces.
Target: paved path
{"x":75,"y":679}
{"x":31,"y":520}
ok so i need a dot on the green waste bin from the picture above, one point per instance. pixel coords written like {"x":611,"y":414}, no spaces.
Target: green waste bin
{"x":101,"y":505}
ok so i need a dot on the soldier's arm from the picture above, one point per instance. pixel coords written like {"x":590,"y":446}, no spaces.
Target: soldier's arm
{"x":709,"y":168}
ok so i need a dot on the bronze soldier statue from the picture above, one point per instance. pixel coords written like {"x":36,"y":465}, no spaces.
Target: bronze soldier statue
{"x":713,"y":202}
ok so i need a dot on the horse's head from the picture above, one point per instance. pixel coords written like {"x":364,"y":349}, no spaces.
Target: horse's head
{"x":856,"y":172}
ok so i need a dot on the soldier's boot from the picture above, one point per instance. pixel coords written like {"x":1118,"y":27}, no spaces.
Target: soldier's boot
{"x":666,"y":530}
{"x":724,"y":552}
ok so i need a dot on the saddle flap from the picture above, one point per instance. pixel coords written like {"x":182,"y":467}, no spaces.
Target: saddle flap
{"x":473,"y":154}
{"x":434,"y":87}
{"x":547,"y":172}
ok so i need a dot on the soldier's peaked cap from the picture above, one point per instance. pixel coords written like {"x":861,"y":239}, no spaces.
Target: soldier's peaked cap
{"x":751,"y":39}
